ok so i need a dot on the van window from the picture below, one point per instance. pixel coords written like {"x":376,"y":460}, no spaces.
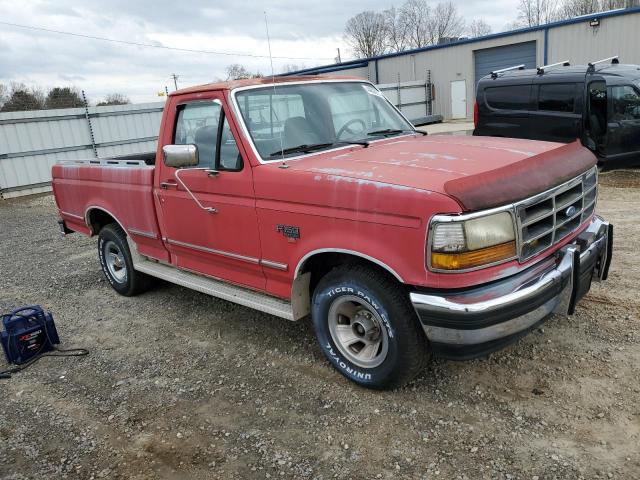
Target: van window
{"x":557,"y":97}
{"x":513,"y":97}
{"x":625,"y":104}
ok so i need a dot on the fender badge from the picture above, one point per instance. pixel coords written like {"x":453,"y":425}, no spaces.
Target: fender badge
{"x":289,"y":231}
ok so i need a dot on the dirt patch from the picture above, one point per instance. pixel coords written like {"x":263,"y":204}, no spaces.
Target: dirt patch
{"x":180,"y":385}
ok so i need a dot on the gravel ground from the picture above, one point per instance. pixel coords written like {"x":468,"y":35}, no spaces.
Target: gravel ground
{"x":180,"y":385}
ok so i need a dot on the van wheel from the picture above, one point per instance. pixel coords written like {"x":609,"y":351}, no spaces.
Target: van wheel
{"x":117,"y":264}
{"x":367,"y":328}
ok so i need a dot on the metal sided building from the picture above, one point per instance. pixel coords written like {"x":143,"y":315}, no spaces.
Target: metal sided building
{"x":456,"y":67}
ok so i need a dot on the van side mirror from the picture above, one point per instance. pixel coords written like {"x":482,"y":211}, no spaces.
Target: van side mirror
{"x":180,"y":156}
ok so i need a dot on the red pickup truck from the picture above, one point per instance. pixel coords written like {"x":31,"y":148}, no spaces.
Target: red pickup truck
{"x":314,"y":195}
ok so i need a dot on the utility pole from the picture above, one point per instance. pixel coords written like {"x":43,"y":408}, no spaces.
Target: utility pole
{"x":166,"y":90}
{"x":175,"y":80}
{"x":338,"y":58}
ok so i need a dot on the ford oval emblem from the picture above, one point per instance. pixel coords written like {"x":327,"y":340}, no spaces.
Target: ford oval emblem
{"x":571,"y":211}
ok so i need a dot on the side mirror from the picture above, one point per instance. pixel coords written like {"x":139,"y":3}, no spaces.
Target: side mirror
{"x":180,"y":156}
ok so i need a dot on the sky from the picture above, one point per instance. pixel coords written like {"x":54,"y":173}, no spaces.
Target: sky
{"x":307,"y":32}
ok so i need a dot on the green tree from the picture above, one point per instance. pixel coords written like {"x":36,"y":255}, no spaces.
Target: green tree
{"x":21,"y":98}
{"x":63,"y":97}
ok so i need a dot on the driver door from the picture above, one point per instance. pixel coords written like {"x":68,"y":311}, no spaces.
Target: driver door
{"x":207,"y":213}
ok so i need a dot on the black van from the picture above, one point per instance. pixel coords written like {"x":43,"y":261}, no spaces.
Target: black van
{"x":598,"y":104}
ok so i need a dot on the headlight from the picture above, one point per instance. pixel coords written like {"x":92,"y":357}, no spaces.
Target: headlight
{"x":461,"y":245}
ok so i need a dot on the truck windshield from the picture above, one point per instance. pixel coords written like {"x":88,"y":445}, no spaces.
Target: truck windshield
{"x":291,"y":120}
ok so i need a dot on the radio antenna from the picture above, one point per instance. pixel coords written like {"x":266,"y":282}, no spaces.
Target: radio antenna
{"x":273,"y":82}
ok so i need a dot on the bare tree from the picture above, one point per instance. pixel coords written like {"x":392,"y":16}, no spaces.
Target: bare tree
{"x":396,"y":30}
{"x":40,"y":96}
{"x":291,"y":67}
{"x":532,"y":13}
{"x":237,"y":71}
{"x":615,"y":4}
{"x":512,"y":25}
{"x":576,"y":8}
{"x":479,"y":28}
{"x":366,"y":34}
{"x":446,"y":23}
{"x":416,"y":15}
{"x":114,"y":99}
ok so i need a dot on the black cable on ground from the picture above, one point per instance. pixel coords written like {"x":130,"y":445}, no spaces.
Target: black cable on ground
{"x":57,"y":352}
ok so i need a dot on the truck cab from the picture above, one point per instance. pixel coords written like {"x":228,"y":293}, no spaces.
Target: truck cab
{"x":597,"y":104}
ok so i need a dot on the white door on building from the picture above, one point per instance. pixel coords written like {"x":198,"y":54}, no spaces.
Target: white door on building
{"x":459,"y":99}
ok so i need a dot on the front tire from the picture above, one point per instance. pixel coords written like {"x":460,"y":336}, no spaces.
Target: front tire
{"x":367,"y":328}
{"x":117,"y":263}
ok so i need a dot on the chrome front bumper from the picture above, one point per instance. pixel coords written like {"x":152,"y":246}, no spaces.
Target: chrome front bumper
{"x":469,"y":323}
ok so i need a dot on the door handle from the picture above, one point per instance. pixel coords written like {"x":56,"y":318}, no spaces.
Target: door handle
{"x":168,"y":184}
{"x":182,"y":184}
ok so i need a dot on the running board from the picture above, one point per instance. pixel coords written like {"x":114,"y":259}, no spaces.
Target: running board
{"x":215,"y":288}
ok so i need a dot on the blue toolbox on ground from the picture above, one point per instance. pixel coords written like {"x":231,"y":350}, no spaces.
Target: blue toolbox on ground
{"x":28,"y":332}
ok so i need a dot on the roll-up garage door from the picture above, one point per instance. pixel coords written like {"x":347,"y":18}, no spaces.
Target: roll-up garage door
{"x":489,"y":59}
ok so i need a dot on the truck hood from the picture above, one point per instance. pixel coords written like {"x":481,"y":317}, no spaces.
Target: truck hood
{"x":479,"y":172}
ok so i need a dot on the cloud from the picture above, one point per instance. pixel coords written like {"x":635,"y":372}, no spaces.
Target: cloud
{"x":297,"y":29}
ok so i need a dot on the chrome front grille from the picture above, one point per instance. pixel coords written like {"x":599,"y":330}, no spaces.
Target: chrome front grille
{"x":546,"y":219}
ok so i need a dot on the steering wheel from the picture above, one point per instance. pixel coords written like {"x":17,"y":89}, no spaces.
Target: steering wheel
{"x":346,"y":127}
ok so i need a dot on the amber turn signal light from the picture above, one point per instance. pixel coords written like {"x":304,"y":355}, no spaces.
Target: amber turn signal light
{"x":475,"y":258}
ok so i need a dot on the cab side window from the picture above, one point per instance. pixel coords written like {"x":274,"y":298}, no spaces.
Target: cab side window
{"x":230,"y":158}
{"x":204,"y":125}
{"x":625,"y":104}
{"x":197,"y":124}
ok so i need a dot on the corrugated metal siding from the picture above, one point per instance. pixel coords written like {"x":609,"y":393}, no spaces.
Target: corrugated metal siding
{"x":580,"y":43}
{"x":31,"y":142}
{"x":362,"y":72}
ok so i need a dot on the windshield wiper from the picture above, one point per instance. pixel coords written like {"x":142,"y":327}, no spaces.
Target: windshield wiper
{"x":305,"y":148}
{"x":393,"y":131}
{"x":301,"y":148}
{"x":364,"y":143}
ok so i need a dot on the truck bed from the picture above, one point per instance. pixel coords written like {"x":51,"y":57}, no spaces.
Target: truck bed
{"x":87,"y":190}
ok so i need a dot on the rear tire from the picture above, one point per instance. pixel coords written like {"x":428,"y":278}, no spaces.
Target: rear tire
{"x":117,"y":263}
{"x":367,"y":328}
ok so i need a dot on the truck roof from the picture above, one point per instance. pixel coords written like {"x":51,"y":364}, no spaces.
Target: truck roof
{"x":248,"y":82}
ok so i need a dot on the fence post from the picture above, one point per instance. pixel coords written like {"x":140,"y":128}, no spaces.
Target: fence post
{"x":86,"y":115}
{"x":428,"y":92}
{"x":399,"y":97}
